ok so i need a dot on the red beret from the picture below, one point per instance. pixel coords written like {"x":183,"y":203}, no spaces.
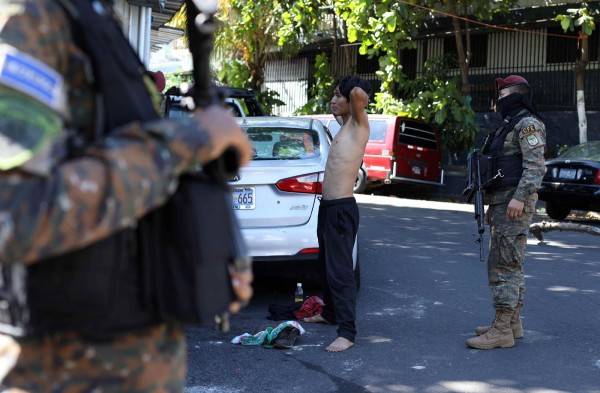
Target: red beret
{"x":511,"y":80}
{"x":159,"y":80}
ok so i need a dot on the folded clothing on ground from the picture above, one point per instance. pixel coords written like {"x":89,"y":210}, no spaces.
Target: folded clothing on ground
{"x":282,"y":336}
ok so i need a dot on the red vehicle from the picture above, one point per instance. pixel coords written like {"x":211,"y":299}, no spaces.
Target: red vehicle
{"x":399,"y":150}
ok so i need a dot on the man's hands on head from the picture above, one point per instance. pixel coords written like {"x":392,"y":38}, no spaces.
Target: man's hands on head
{"x":359,"y":97}
{"x":224,"y":132}
{"x":359,"y":100}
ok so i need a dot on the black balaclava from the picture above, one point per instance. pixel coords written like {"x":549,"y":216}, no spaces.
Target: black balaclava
{"x":513,"y":103}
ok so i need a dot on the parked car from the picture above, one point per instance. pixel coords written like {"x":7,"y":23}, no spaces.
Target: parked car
{"x":572,"y":181}
{"x":276,"y":197}
{"x":241,"y":102}
{"x":399,"y":150}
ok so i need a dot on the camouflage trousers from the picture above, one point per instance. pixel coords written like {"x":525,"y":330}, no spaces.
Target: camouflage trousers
{"x":507,"y":254}
{"x":150,"y":360}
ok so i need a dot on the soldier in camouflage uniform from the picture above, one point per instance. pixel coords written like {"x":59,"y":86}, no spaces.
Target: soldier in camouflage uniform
{"x":520,"y":140}
{"x":51,"y":203}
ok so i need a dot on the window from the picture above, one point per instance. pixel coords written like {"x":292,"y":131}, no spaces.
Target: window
{"x":479,"y":45}
{"x":366,"y":65}
{"x":272,"y":143}
{"x":417,"y":134}
{"x":594,"y":46}
{"x":560,"y":49}
{"x":408,"y":59}
{"x":425,"y":49}
{"x":378,"y":130}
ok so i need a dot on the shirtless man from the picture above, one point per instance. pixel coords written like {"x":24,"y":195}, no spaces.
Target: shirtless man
{"x":338,"y":212}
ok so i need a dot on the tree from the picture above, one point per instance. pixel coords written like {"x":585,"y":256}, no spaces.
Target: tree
{"x":248,"y":31}
{"x":480,"y":10}
{"x":384,"y":28}
{"x":321,"y":91}
{"x":247,"y":35}
{"x":580,"y":19}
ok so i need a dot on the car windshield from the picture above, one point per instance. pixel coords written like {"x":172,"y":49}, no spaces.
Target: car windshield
{"x":274,"y":143}
{"x":585,"y":151}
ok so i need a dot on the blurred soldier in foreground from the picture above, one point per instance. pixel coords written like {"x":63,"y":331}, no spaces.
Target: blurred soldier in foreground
{"x":84,"y":156}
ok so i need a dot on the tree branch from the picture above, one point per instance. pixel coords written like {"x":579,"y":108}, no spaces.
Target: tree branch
{"x":539,"y":228}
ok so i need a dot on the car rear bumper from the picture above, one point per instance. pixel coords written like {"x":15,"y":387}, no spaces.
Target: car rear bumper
{"x":394,"y":178}
{"x":284,"y":243}
{"x":574,"y":195}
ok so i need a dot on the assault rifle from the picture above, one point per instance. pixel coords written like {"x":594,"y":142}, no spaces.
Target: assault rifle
{"x":474,"y":192}
{"x":215,"y":175}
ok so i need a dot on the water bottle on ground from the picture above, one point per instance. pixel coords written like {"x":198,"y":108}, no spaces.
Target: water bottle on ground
{"x":299,"y":294}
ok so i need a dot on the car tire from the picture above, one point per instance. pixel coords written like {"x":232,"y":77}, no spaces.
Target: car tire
{"x":556,"y":211}
{"x":360,"y":185}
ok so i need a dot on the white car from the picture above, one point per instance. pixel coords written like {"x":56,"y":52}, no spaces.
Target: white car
{"x":276,"y":197}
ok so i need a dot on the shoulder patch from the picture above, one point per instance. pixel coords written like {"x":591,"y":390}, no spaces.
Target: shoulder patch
{"x":530,"y":129}
{"x":27,"y":130}
{"x":32,"y":77}
{"x":532,"y":140}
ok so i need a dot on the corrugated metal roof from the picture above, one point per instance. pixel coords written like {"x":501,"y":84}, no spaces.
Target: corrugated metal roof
{"x":162,"y":12}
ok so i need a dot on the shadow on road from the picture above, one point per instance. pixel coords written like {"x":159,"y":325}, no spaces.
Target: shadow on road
{"x":424,"y":290}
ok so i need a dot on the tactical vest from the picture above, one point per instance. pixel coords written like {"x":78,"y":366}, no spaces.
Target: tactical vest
{"x":172,"y":266}
{"x":499,"y":170}
{"x":101,"y":289}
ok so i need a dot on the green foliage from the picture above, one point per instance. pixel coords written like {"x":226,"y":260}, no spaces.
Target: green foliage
{"x":247,"y":31}
{"x":234,"y":73}
{"x":177,"y":78}
{"x":578,"y":18}
{"x":383,"y":28}
{"x":251,"y":28}
{"x":320,"y":93}
{"x":436,"y":98}
{"x":269,"y":99}
{"x":301,"y":19}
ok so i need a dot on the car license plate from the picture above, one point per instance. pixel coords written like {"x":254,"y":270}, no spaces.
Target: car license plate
{"x":417,"y":170}
{"x":244,"y":198}
{"x":567,"y":174}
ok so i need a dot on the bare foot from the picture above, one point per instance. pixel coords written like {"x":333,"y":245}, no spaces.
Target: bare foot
{"x":316,"y":319}
{"x":339,"y":344}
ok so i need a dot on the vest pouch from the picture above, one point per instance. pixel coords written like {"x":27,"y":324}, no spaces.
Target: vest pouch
{"x":511,"y":168}
{"x":183,"y":246}
{"x":94,"y":291}
{"x":486,"y":170}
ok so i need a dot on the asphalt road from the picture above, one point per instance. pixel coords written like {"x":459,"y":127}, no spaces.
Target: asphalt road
{"x":423,"y":292}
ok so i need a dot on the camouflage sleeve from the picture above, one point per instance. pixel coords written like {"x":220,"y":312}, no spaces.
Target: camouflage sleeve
{"x":50,"y":203}
{"x":105,"y":189}
{"x":532,"y":140}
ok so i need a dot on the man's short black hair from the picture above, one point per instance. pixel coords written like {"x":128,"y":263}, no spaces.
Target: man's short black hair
{"x":347,"y":83}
